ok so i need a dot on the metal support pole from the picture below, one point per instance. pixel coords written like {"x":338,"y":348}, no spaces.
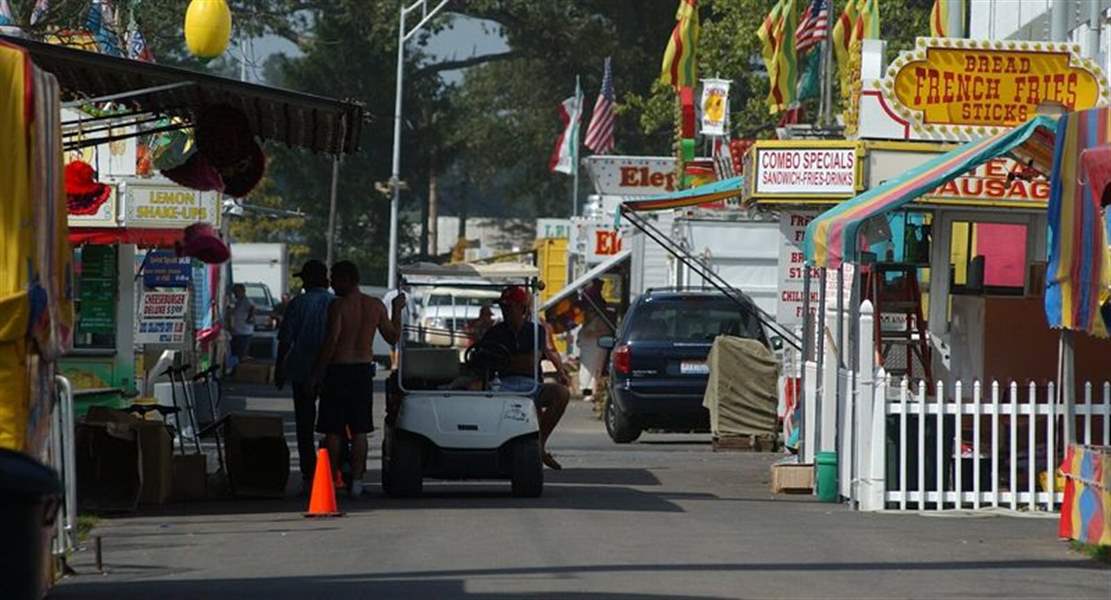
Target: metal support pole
{"x":332,"y":211}
{"x":955,"y":25}
{"x":395,"y":171}
{"x":1059,"y":20}
{"x":819,"y":323}
{"x":1095,"y":25}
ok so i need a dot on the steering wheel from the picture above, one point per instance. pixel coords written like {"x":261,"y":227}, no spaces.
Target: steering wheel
{"x":487,"y":356}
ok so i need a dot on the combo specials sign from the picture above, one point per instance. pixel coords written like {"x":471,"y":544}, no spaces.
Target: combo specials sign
{"x":979,"y":84}
{"x":802,"y":170}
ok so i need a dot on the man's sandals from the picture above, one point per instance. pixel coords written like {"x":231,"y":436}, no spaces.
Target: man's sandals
{"x":551,"y":462}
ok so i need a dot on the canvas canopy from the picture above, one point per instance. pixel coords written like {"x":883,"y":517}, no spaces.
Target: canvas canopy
{"x":832,"y":237}
{"x":703,"y":194}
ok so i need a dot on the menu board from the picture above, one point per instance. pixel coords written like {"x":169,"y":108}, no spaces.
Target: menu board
{"x":97,"y":290}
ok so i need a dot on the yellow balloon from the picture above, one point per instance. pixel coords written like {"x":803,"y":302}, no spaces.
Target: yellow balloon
{"x":207,"y":27}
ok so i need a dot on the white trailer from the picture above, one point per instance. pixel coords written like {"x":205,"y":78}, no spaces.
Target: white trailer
{"x":261,"y":263}
{"x":742,"y":249}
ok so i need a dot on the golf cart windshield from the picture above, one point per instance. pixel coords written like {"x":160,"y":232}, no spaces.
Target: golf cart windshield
{"x":445,"y":349}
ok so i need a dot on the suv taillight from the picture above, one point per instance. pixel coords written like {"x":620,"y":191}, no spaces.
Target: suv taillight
{"x":623,"y":360}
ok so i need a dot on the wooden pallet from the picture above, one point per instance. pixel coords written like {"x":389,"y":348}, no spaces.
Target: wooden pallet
{"x":744,"y":443}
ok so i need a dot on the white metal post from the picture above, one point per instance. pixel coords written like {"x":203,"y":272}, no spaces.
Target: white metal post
{"x":395,"y":172}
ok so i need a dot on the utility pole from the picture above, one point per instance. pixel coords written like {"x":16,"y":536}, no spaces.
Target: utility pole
{"x":332,"y":211}
{"x":395,"y":174}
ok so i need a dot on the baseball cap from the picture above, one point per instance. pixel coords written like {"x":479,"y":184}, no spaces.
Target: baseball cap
{"x":514,"y":294}
{"x":312,"y":269}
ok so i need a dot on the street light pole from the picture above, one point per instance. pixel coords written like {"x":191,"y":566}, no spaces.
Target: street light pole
{"x":395,"y":174}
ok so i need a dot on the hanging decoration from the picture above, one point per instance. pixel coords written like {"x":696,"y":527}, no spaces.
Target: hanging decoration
{"x":207,"y":27}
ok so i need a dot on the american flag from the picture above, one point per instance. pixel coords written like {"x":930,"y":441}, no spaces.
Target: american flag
{"x":813,"y":26}
{"x":599,"y":135}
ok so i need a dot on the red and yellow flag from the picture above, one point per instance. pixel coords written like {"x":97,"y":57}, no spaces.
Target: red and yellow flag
{"x":679,"y":68}
{"x":860,"y":20}
{"x":777,"y":33}
{"x":939,"y":18}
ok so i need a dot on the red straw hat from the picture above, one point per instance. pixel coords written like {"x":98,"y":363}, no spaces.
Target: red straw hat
{"x":84,"y":194}
{"x":203,"y":242}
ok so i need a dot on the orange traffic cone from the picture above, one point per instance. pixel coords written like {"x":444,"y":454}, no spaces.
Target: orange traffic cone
{"x":322,"y":502}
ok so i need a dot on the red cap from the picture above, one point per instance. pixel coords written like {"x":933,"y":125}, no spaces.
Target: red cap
{"x":514,"y":294}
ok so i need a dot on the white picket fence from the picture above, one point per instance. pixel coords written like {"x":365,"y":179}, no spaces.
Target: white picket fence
{"x":987,"y":448}
{"x":967,"y":446}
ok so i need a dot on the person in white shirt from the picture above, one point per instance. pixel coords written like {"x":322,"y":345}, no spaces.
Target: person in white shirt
{"x":242,"y":317}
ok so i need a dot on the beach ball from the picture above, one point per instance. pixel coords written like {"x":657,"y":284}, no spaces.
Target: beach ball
{"x":207,"y":27}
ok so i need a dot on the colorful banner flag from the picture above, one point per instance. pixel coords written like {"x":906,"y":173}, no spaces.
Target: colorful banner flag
{"x":100,"y":22}
{"x":1078,"y":277}
{"x":715,"y":107}
{"x":599,"y":134}
{"x":566,"y":150}
{"x":939,"y":18}
{"x":679,"y":67}
{"x":860,"y":20}
{"x":6,"y":17}
{"x":777,"y":33}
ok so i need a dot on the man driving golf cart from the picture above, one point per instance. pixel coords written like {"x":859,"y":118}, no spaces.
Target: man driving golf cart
{"x":485,"y":417}
{"x":515,"y":333}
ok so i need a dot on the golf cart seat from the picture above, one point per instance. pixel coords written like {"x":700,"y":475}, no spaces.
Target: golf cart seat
{"x":426,"y":368}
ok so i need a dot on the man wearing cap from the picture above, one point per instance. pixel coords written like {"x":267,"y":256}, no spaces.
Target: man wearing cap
{"x":304,"y":325}
{"x":345,"y":366}
{"x":517,"y":333}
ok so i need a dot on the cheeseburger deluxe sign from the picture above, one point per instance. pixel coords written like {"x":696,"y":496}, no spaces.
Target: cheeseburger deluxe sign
{"x":966,"y":83}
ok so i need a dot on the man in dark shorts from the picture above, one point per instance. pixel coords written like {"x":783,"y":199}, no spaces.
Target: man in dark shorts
{"x":517,"y":333}
{"x":345,"y":367}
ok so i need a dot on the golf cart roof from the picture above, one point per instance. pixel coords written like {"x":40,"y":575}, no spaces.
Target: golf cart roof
{"x":467,"y":273}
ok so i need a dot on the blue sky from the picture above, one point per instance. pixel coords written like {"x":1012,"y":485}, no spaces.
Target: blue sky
{"x":465,"y":38}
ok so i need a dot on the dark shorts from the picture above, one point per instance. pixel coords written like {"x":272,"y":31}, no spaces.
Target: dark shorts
{"x":240,"y":345}
{"x":346,"y":399}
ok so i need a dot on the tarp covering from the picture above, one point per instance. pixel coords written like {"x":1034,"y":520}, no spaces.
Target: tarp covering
{"x":741,"y":394}
{"x":34,"y":254}
{"x":831,"y":238}
{"x":703,"y":194}
{"x":1078,"y":277}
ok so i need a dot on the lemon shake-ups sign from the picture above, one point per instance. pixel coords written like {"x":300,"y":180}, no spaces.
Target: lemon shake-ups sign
{"x":166,"y":205}
{"x":976,"y":86}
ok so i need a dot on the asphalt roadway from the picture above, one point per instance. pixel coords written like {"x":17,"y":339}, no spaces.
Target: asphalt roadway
{"x":662,"y":518}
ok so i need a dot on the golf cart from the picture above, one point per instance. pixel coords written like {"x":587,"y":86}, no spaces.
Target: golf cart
{"x":449,"y":418}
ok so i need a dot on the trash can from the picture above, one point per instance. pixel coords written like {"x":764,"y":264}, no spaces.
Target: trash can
{"x":826,"y":465}
{"x":30,"y":494}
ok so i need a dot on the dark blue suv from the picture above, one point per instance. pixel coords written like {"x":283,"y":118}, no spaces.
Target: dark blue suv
{"x":658,"y":370}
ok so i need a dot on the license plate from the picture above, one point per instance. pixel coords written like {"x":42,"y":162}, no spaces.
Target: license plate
{"x":694,"y":367}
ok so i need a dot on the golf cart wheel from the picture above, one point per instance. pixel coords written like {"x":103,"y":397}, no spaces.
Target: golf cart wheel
{"x":404,"y":477}
{"x":528,"y":471}
{"x":620,"y":428}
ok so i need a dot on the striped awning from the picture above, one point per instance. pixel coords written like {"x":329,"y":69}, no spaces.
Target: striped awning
{"x":703,"y":194}
{"x":1078,"y":277}
{"x":832,"y":237}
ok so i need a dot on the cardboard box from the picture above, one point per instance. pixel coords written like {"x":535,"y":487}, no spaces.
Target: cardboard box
{"x":254,"y":372}
{"x":792,"y":479}
{"x":156,"y":448}
{"x":257,"y":455}
{"x":109,"y":472}
{"x":190,"y":477}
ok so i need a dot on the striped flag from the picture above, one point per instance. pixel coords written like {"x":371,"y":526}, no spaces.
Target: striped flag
{"x":679,"y":68}
{"x":777,"y":34}
{"x":813,"y":26}
{"x":599,"y":134}
{"x":859,"y":20}
{"x":566,"y":150}
{"x":939,"y":16}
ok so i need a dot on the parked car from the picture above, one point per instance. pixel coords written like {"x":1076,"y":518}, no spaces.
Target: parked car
{"x":448,"y":311}
{"x":259,"y":295}
{"x":658,"y":369}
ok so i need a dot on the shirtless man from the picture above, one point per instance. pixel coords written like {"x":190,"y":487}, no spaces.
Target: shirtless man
{"x":344,"y":368}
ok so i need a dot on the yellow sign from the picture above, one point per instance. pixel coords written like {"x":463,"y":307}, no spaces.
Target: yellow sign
{"x":966,"y":83}
{"x":170,"y":206}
